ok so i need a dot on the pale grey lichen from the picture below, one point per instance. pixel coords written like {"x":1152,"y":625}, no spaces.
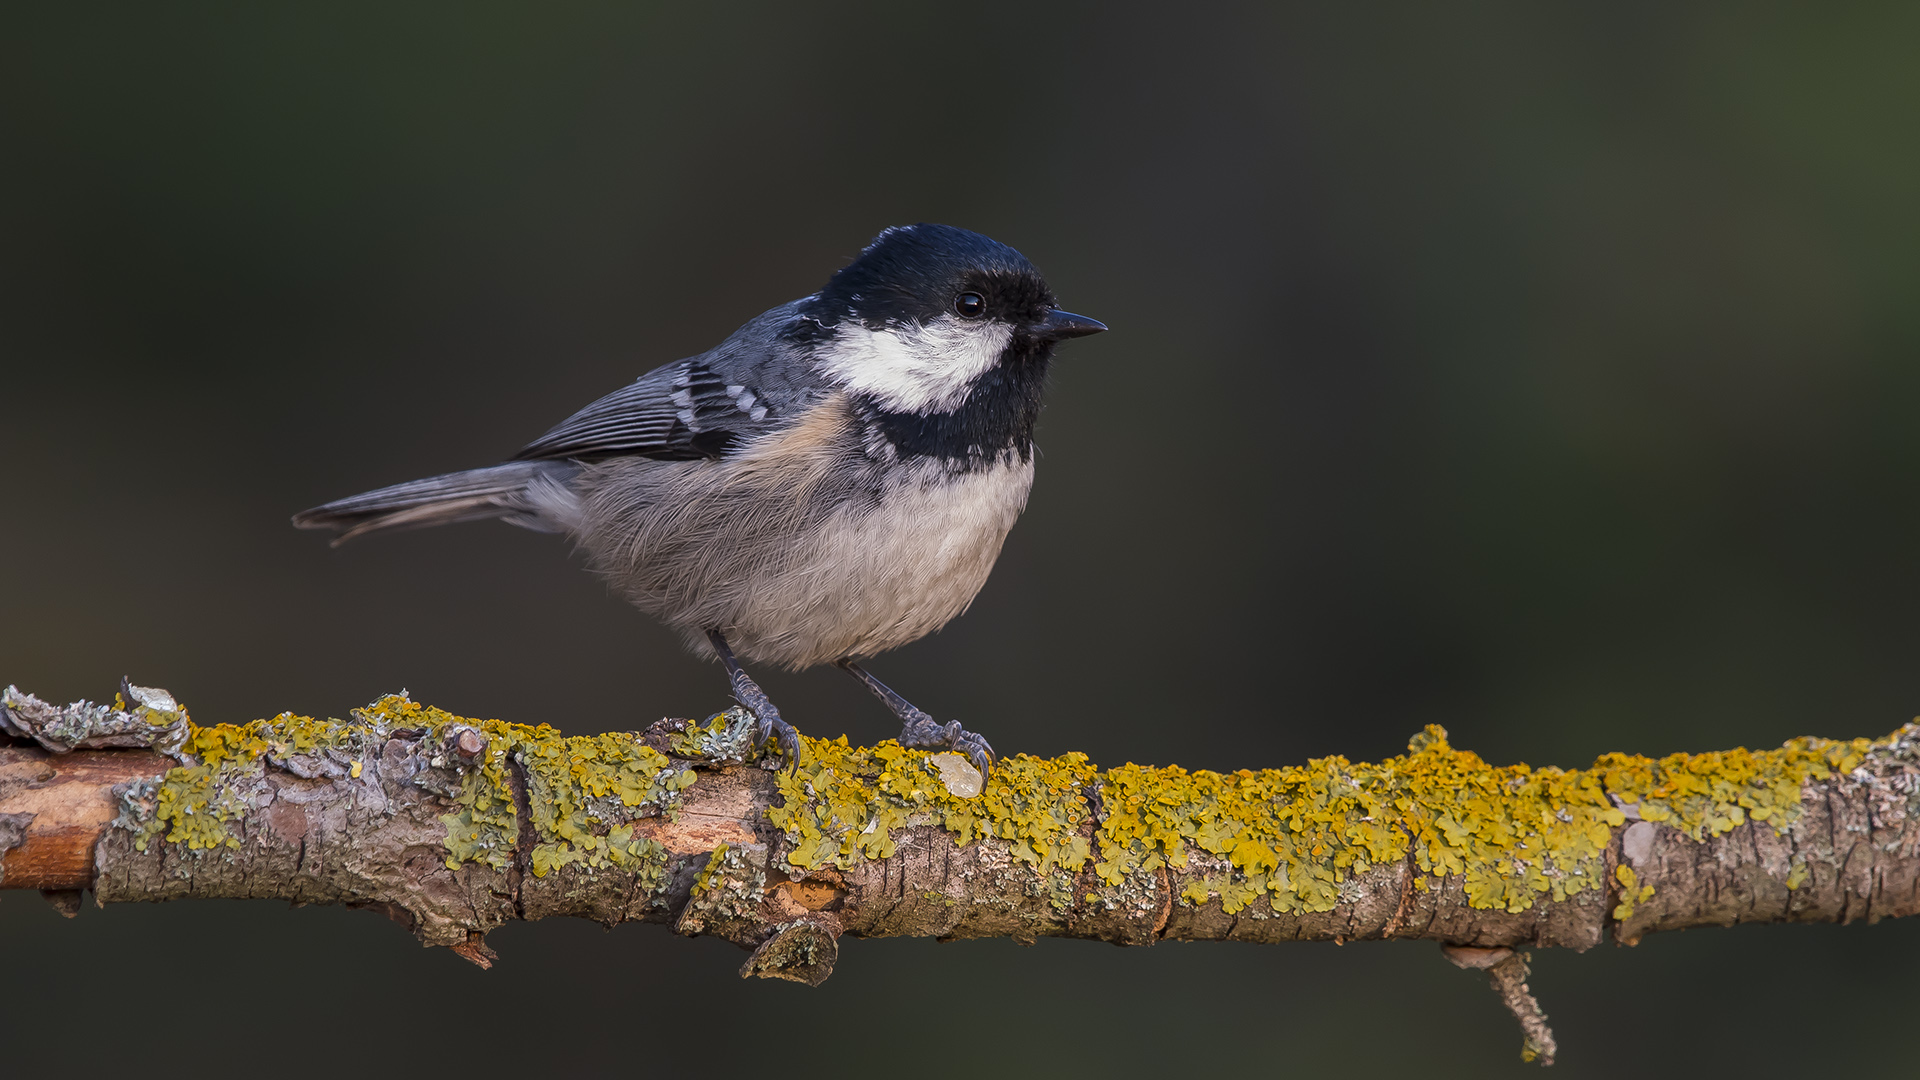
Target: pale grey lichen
{"x":142,"y":716}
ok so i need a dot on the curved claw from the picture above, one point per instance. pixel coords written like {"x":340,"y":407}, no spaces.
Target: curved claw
{"x":789,"y":745}
{"x":928,"y":734}
{"x":768,"y":725}
{"x":978,"y":751}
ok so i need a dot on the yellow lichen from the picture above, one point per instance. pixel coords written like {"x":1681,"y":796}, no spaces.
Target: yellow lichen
{"x":1294,"y":837}
{"x":844,"y":802}
{"x":575,"y":783}
{"x":1513,"y":834}
{"x":1797,"y":873}
{"x":1632,"y":893}
{"x":188,"y":809}
{"x":711,"y":873}
{"x":193,"y":803}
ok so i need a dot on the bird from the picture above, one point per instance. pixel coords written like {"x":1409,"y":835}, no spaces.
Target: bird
{"x":834,"y":480}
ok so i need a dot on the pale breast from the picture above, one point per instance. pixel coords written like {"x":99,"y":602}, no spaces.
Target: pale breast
{"x":870,"y":579}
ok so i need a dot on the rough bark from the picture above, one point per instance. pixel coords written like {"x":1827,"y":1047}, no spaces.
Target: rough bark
{"x":453,"y":827}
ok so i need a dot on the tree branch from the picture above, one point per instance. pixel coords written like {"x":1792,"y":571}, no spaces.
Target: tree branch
{"x":454,"y":826}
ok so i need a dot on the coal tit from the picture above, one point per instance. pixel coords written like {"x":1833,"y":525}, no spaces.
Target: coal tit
{"x":832,"y":481}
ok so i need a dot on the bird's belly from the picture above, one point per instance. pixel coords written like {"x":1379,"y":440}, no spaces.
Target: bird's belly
{"x":862,"y":580}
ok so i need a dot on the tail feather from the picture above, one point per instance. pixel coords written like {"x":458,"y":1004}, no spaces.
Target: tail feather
{"x":530,"y":494}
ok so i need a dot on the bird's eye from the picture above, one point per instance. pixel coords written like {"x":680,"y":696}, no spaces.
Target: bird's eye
{"x":970,"y":304}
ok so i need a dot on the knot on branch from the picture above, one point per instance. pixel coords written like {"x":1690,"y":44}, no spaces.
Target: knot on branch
{"x":802,"y":951}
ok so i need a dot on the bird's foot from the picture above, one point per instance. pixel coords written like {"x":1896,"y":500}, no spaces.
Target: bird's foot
{"x":748,"y":693}
{"x":923,"y":732}
{"x":920,"y":731}
{"x":767,"y":720}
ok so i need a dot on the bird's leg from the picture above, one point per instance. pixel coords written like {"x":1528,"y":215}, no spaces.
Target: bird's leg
{"x":748,"y":693}
{"x":920,"y":730}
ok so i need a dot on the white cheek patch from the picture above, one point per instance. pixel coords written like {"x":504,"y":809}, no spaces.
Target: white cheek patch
{"x":915,"y":367}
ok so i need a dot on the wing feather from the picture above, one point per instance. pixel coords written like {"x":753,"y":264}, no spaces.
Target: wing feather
{"x":678,"y":412}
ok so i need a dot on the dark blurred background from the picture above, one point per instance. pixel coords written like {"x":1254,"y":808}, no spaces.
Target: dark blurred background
{"x":1544,"y":373}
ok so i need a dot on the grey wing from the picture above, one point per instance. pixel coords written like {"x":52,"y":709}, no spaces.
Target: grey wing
{"x":679,"y":412}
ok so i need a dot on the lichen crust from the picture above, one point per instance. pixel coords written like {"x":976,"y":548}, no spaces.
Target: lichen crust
{"x":1292,"y":837}
{"x":1296,"y":836}
{"x":584,"y":791}
{"x":843,"y":803}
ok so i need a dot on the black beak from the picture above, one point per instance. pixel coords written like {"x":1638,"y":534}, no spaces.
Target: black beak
{"x":1059,"y":325}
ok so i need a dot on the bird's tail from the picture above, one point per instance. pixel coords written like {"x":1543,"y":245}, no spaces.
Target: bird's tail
{"x":530,"y":494}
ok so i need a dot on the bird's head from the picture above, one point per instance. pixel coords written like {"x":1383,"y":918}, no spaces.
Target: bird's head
{"x":929,"y":311}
